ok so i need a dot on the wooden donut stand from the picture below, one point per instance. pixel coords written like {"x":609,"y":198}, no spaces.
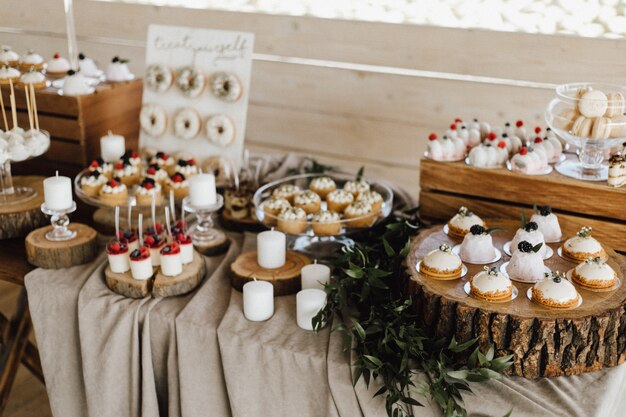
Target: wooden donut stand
{"x":545,"y":342}
{"x":17,"y":220}
{"x":49,"y":254}
{"x":286,"y":279}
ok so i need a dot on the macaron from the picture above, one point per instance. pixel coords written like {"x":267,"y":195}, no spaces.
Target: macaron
{"x":615,"y":104}
{"x":566,"y":118}
{"x":593,"y":104}
{"x":582,"y":126}
{"x":601,"y":128}
{"x":618,"y":127}
{"x":581,"y":91}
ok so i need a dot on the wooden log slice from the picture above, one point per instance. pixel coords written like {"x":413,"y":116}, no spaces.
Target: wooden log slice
{"x":193,"y":273}
{"x":246,"y":224}
{"x":124,"y":284}
{"x":545,"y":342}
{"x":216,"y":247}
{"x":18,"y":220}
{"x":47,"y":254}
{"x":286,"y":280}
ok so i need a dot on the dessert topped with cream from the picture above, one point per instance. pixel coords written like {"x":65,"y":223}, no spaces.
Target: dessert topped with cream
{"x":276,"y":204}
{"x":461,"y":222}
{"x":530,"y":161}
{"x":341,"y":196}
{"x":286,"y":191}
{"x":371,"y":197}
{"x":594,"y":273}
{"x":140,"y":254}
{"x":116,"y":248}
{"x":178,"y":180}
{"x":358,"y":208}
{"x":477,"y":246}
{"x":583,"y":246}
{"x":441,"y":262}
{"x":356,"y":187}
{"x":114,"y":186}
{"x":548,"y":224}
{"x":148,"y":186}
{"x":132,"y":158}
{"x":9,"y":74}
{"x":8,"y":57}
{"x":99,"y":165}
{"x":187,"y":167}
{"x":531,"y":234}
{"x":157,"y":173}
{"x":57,"y":65}
{"x":492,"y":285}
{"x":162,"y":159}
{"x":306,"y":197}
{"x":118,"y":70}
{"x":31,"y":60}
{"x":526,"y":264}
{"x":171,"y":249}
{"x":555,"y":291}
{"x":325,"y":216}
{"x":293,"y":214}
{"x":446,"y":148}
{"x":88,"y":66}
{"x":322,"y":183}
{"x":36,"y":78}
{"x":93,"y":178}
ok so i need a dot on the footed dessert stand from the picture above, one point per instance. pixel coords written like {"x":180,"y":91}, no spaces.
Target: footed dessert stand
{"x":544,"y":342}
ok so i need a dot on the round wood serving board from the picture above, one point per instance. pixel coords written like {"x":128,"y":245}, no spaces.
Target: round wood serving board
{"x":17,"y":220}
{"x":187,"y":281}
{"x":47,"y":254}
{"x":544,"y":341}
{"x":286,"y":280}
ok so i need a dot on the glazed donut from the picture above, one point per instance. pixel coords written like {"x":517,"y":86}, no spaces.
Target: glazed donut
{"x":190,"y":81}
{"x":158,"y":78}
{"x":186,"y":123}
{"x":220,"y":167}
{"x":226,"y":86}
{"x":220,"y":130}
{"x":153,"y":119}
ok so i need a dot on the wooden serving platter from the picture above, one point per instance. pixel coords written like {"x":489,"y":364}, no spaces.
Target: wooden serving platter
{"x":545,"y":342}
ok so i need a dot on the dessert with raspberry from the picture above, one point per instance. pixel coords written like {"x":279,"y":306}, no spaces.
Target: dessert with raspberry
{"x":147,"y":190}
{"x":117,"y":254}
{"x":154,"y":243}
{"x":91,"y":182}
{"x":179,"y":184}
{"x":132,"y":158}
{"x":171,"y":260}
{"x":186,"y":247}
{"x":157,"y":173}
{"x":114,"y":193}
{"x":187,"y":167}
{"x":165,"y":161}
{"x":105,"y":168}
{"x":129,"y":237}
{"x":141,"y":264}
{"x":126,"y":172}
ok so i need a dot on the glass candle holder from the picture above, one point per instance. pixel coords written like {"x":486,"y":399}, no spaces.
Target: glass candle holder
{"x":60,"y":223}
{"x":202,"y":232}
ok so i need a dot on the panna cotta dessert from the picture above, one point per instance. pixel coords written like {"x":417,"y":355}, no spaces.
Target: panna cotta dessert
{"x":441,"y":263}
{"x":488,"y":156}
{"x":529,"y":161}
{"x":583,"y":246}
{"x":118,"y":71}
{"x":594,"y":274}
{"x":446,"y":148}
{"x":171,"y":260}
{"x":129,"y":237}
{"x":154,"y":243}
{"x":531,"y":234}
{"x":461,"y":222}
{"x":141,"y":264}
{"x":548,"y":224}
{"x":117,"y":254}
{"x":491,"y":285}
{"x":526,"y":264}
{"x":555,"y":291}
{"x":186,"y":247}
{"x":477,"y":246}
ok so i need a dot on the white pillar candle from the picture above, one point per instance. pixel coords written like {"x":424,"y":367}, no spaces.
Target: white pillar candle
{"x":314,"y":276}
{"x":112,"y":147}
{"x":308,"y":304}
{"x":258,"y":300}
{"x":57,"y":192}
{"x":271,"y":247}
{"x":202,"y":190}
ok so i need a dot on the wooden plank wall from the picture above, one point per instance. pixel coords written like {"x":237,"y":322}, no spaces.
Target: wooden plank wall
{"x":349,"y":93}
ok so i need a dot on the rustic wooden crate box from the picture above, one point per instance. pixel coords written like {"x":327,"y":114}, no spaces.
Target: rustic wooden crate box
{"x":500,"y":193}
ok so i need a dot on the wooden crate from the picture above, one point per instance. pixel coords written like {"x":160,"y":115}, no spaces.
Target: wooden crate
{"x":77,"y":123}
{"x":500,"y":193}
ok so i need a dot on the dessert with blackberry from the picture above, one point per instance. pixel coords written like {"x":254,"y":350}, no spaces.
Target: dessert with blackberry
{"x":477,"y":246}
{"x":141,"y":264}
{"x":526,"y":264}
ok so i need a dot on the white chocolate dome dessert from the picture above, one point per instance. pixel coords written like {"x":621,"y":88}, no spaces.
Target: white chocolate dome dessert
{"x":491,"y":285}
{"x":526,"y":264}
{"x":461,"y":223}
{"x":529,"y":161}
{"x":548,"y":224}
{"x":74,"y":84}
{"x":583,"y":246}
{"x":88,"y":66}
{"x":488,"y":156}
{"x":555,"y":291}
{"x":594,"y":274}
{"x":446,"y":148}
{"x":118,"y":70}
{"x":531,"y":234}
{"x":441,"y":263}
{"x":477,"y":246}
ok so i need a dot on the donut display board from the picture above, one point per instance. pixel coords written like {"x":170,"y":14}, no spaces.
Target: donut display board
{"x":196,"y":90}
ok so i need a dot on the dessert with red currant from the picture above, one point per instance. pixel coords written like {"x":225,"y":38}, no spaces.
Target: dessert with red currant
{"x":186,"y":247}
{"x":155,"y":243}
{"x":165,"y":161}
{"x":117,"y":253}
{"x":187,"y":167}
{"x":133,"y":158}
{"x":91,"y":182}
{"x":141,"y":264}
{"x":114,"y":192}
{"x":102,"y":167}
{"x":171,"y":260}
{"x":126,"y":172}
{"x":157,"y":173}
{"x":179,"y":184}
{"x":147,"y":190}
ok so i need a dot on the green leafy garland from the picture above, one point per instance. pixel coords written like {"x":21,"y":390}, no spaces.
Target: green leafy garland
{"x":377,"y":321}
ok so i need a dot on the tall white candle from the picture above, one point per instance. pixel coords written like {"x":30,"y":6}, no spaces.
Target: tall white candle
{"x":202,"y":190}
{"x":308,"y":304}
{"x":112,"y":147}
{"x":314,"y":276}
{"x":271,"y":247}
{"x":57,"y":192}
{"x":258,"y":300}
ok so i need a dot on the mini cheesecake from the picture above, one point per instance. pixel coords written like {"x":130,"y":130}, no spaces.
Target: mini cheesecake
{"x":359,"y":214}
{"x":157,"y":173}
{"x":186,"y":247}
{"x":117,"y":254}
{"x":338,"y":200}
{"x":129,"y":237}
{"x":126,"y":172}
{"x":594,"y":274}
{"x":274,"y":206}
{"x":322,"y":186}
{"x":555,"y":291}
{"x":356,"y":187}
{"x":91,"y":182}
{"x":583,"y":246}
{"x":164,"y":161}
{"x":105,"y":168}
{"x":461,"y":223}
{"x":114,"y":193}
{"x":326,"y":223}
{"x":372,"y":198}
{"x":148,"y":188}
{"x":491,"y":285}
{"x":286,"y":191}
{"x":155,"y":243}
{"x":141,"y":264}
{"x":308,"y":201}
{"x":171,"y":261}
{"x":441,"y":263}
{"x":179,"y":184}
{"x":292,"y":220}
{"x":187,"y":167}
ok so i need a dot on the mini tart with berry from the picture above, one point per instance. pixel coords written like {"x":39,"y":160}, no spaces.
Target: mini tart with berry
{"x":179,"y":184}
{"x":132,"y":158}
{"x":359,"y":214}
{"x":117,"y":254}
{"x":326,"y":223}
{"x":372,"y":198}
{"x":356,"y":187}
{"x":146,"y":190}
{"x":127,"y":173}
{"x":460,"y":224}
{"x":274,"y":205}
{"x":155,"y":243}
{"x":491,"y":285}
{"x":594,"y":274}
{"x":292,"y":220}
{"x":141,"y":264}
{"x":164,"y":161}
{"x":114,"y":193}
{"x":338,"y":200}
{"x":583,"y":246}
{"x":91,"y":182}
{"x":187,"y":167}
{"x":105,"y":168}
{"x":441,"y":263}
{"x":308,"y":201}
{"x":157,"y":173}
{"x":286,"y":191}
{"x":555,"y":291}
{"x":322,"y":186}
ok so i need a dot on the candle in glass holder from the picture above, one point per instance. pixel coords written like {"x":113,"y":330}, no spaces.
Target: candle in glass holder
{"x":271,"y":247}
{"x":112,"y":147}
{"x":202,"y":190}
{"x":314,"y":276}
{"x":57,"y":193}
{"x":258,"y":300}
{"x":308,"y":303}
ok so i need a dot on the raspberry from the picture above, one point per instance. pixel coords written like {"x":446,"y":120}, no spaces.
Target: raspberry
{"x":523,"y":151}
{"x":477,"y":229}
{"x":191,"y":162}
{"x":525,"y":247}
{"x":519,"y":123}
{"x":134,"y":155}
{"x":113,"y":183}
{"x":149,"y":240}
{"x":56,"y":56}
{"x":531,"y":226}
{"x":538,"y":140}
{"x":119,"y":165}
{"x":457,"y":120}
{"x":151,"y":171}
{"x":432,"y":136}
{"x":178,"y":178}
{"x":453,"y":126}
{"x":95,"y":164}
{"x":537,"y":129}
{"x":148,"y":186}
{"x":502,"y":144}
{"x":491,"y":135}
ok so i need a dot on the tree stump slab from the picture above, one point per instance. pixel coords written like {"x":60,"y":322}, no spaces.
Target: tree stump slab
{"x":217,"y":247}
{"x":124,"y":284}
{"x":545,"y":342}
{"x":193,"y":273}
{"x":286,"y":280}
{"x":47,"y":254}
{"x":18,"y":220}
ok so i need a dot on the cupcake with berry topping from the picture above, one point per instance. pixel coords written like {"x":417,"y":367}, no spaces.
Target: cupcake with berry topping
{"x":141,"y":264}
{"x":274,"y":206}
{"x":147,"y":190}
{"x":286,"y":191}
{"x":157,"y":173}
{"x":186,"y":247}
{"x":441,"y":263}
{"x":595,"y":274}
{"x":555,"y":291}
{"x":322,"y":186}
{"x":126,"y":172}
{"x":165,"y":161}
{"x":187,"y":167}
{"x":548,"y":224}
{"x":530,"y":233}
{"x":477,"y":246}
{"x":359,"y":214}
{"x":356,"y":187}
{"x":57,"y":67}
{"x":132,"y":158}
{"x":292,"y":220}
{"x":155,"y":242}
{"x":491,"y":285}
{"x":338,"y":200}
{"x":529,"y":161}
{"x":105,"y":168}
{"x":91,"y":182}
{"x":129,"y":237}
{"x":308,"y":201}
{"x":526,"y":264}
{"x":372,"y":198}
{"x":460,"y":224}
{"x":583,"y":246}
{"x":179,"y":184}
{"x":117,"y":254}
{"x":114,"y":193}
{"x":171,"y":260}
{"x":326,"y":223}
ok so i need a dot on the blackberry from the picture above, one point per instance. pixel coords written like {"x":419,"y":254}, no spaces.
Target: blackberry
{"x":545,"y":210}
{"x":477,"y":229}
{"x":531,"y":226}
{"x":136,"y":254}
{"x":525,"y":247}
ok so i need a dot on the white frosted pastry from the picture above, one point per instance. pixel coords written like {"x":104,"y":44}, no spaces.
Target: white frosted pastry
{"x":555,"y":291}
{"x":141,"y":264}
{"x":594,"y":273}
{"x":74,"y":84}
{"x":583,"y":246}
{"x":461,"y":222}
{"x":30,"y":60}
{"x":513,"y":143}
{"x":477,"y":246}
{"x":34,"y":78}
{"x":548,"y":224}
{"x":88,"y":66}
{"x":171,"y":260}
{"x":490,"y":284}
{"x":117,"y":70}
{"x":446,"y":148}
{"x":17,"y":149}
{"x":37,"y":142}
{"x":526,"y":265}
{"x":520,"y":131}
{"x":57,"y":66}
{"x":531,"y":234}
{"x":8,"y":56}
{"x":488,"y":156}
{"x":552,"y":148}
{"x":468,"y":133}
{"x":529,"y":161}
{"x":441,"y":262}
{"x":9,"y":73}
